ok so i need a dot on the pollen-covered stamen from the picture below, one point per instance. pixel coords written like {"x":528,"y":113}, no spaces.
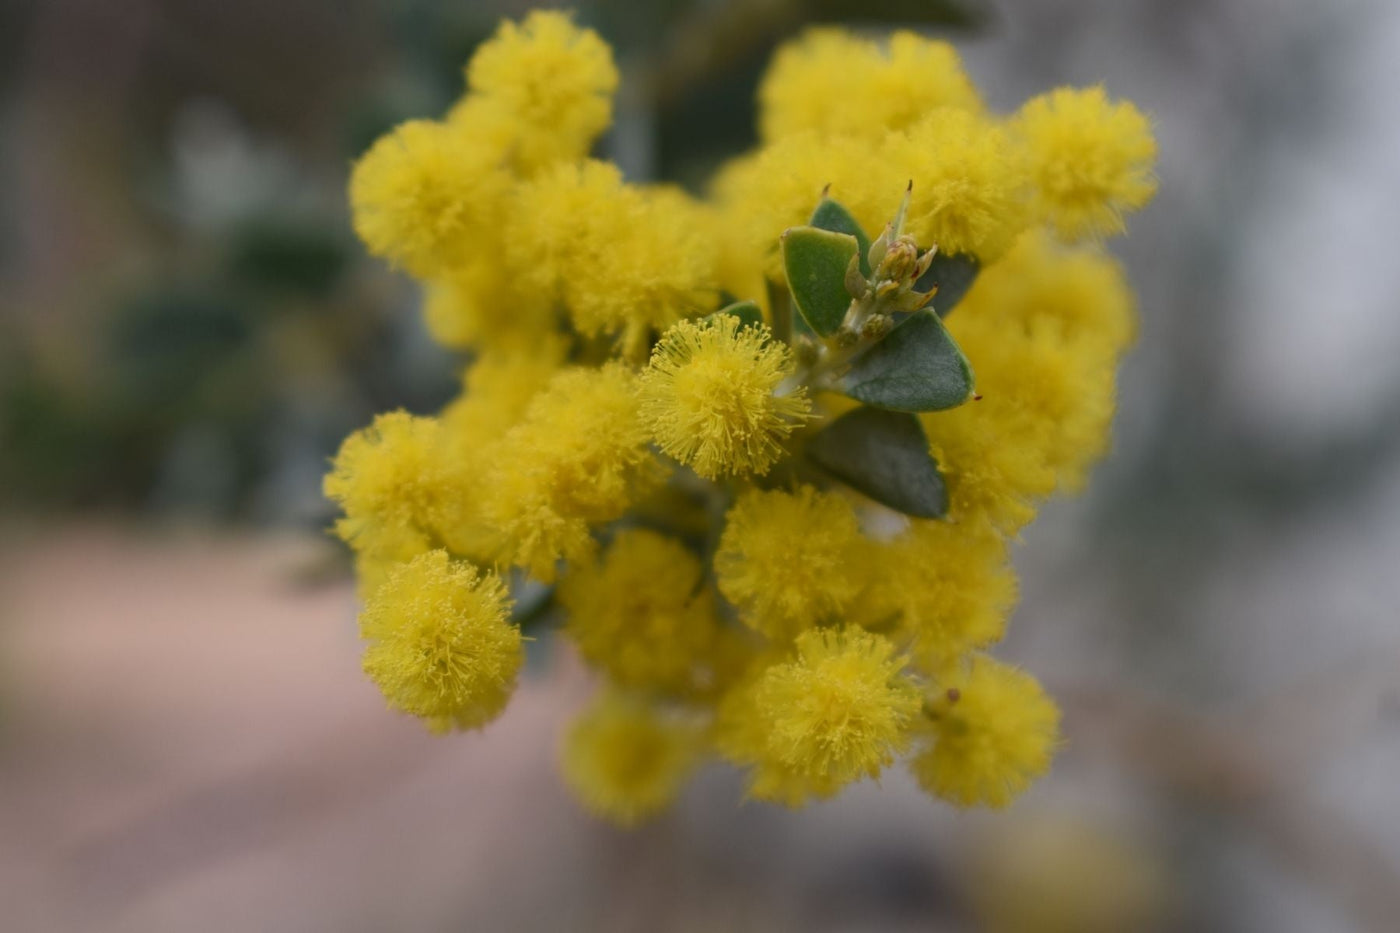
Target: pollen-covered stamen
{"x":715,"y":396}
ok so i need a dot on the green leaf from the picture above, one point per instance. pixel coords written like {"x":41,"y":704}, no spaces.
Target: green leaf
{"x":832,"y":215}
{"x":953,"y":274}
{"x":917,"y":367}
{"x":748,"y":313}
{"x":885,"y":455}
{"x":816,"y":262}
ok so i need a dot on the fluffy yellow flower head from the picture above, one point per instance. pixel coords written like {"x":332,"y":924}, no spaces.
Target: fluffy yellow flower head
{"x":840,"y":709}
{"x":640,"y":615}
{"x":1072,"y":295}
{"x":709,"y":396}
{"x":394,"y":486}
{"x":834,"y":83}
{"x":441,"y":644}
{"x":740,"y":735}
{"x":425,"y":195}
{"x":992,"y":479}
{"x":496,"y":390}
{"x":481,"y":306}
{"x":1056,"y":397}
{"x":577,"y":458}
{"x":786,"y":560}
{"x":545,"y":244}
{"x":624,"y":260}
{"x":1045,"y":327}
{"x":945,"y":588}
{"x":656,"y":262}
{"x":1091,"y":159}
{"x":626,"y":760}
{"x":993,"y":731}
{"x":968,"y":194}
{"x":555,"y":79}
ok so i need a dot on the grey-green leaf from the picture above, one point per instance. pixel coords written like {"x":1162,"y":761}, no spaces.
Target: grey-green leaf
{"x":917,"y":367}
{"x":953,"y":274}
{"x":885,"y":455}
{"x":816,"y":262}
{"x":748,"y":313}
{"x":832,"y":215}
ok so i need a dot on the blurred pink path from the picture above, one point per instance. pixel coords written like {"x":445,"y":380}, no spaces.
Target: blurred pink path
{"x":186,"y":742}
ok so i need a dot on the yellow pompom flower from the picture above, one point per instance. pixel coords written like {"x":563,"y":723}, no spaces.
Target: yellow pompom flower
{"x":787,"y":560}
{"x":496,"y":390}
{"x":531,"y":529}
{"x":1091,"y":159}
{"x":1045,"y":328}
{"x":991,"y":475}
{"x":492,"y":125}
{"x":839,"y":710}
{"x":624,"y":260}
{"x":555,"y":79}
{"x":944,"y":588}
{"x":545,"y":239}
{"x":1069,"y":294}
{"x":585,"y":438}
{"x":577,"y":458}
{"x":394,"y":485}
{"x":655,"y":262}
{"x":482,"y":307}
{"x":640,"y":615}
{"x":425,"y":195}
{"x":1055,"y":398}
{"x":831,"y":82}
{"x":992,"y":732}
{"x":441,"y":643}
{"x":969,"y":183}
{"x":626,"y":760}
{"x":739,"y":733}
{"x":710,"y":396}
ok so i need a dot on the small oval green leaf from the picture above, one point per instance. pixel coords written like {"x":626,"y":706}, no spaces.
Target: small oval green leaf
{"x":917,"y":367}
{"x":832,"y":215}
{"x":885,"y":455}
{"x":816,"y":262}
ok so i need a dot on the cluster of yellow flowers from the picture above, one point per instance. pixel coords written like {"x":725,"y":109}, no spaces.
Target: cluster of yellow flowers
{"x":777,"y":529}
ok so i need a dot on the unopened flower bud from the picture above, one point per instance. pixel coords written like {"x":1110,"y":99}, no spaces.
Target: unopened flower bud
{"x":900,"y":261}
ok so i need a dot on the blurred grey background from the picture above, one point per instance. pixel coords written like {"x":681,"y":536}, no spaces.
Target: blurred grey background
{"x":187,"y":329}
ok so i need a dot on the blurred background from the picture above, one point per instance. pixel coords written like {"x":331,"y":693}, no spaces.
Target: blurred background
{"x":188,"y":329}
